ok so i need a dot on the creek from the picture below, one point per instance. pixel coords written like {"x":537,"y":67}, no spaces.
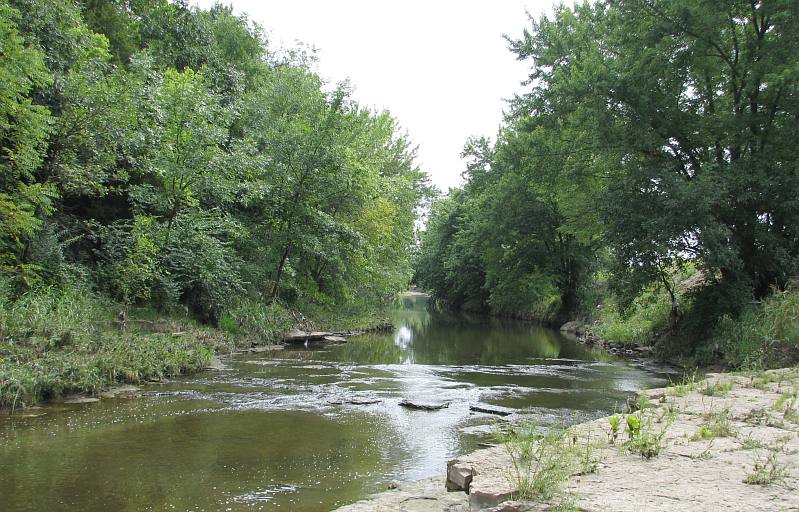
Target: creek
{"x":307,"y":429}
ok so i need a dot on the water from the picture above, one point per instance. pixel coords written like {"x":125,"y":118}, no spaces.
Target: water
{"x":305,"y":429}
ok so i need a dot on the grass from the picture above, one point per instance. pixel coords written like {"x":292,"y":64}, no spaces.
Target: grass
{"x":752,"y":444}
{"x":541,"y":463}
{"x":648,"y":314}
{"x":685,"y":386}
{"x":717,"y":388}
{"x":60,"y":341}
{"x":57,"y":342}
{"x":718,"y":425}
{"x":767,"y":472}
{"x":765,"y":335}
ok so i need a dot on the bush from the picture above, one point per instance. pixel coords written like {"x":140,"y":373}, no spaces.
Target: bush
{"x":647,"y":314}
{"x":765,"y":335}
{"x":256,"y":322}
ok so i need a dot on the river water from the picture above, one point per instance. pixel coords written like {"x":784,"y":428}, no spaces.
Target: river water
{"x":306,"y":429}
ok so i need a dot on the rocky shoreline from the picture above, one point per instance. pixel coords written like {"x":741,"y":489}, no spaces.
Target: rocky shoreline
{"x":729,"y":442}
{"x":582,"y":333}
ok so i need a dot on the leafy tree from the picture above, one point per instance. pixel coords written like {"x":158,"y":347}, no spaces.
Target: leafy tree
{"x":24,"y":127}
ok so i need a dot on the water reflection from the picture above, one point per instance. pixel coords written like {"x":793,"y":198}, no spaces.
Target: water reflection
{"x":439,"y":338}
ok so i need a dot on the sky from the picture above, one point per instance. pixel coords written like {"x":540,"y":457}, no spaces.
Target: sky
{"x":441,"y":67}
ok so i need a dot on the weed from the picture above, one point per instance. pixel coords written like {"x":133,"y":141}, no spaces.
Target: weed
{"x":687,"y":385}
{"x":757,"y":416}
{"x":768,"y":472}
{"x":719,"y":425}
{"x":718,"y":388}
{"x":786,"y":404}
{"x":615,"y":428}
{"x":642,"y":437}
{"x":705,"y":454}
{"x":752,"y":444}
{"x":588,"y":462}
{"x":541,"y":463}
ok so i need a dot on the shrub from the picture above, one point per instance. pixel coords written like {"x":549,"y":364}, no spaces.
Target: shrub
{"x":765,"y":335}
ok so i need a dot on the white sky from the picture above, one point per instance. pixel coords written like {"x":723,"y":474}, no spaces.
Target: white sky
{"x":441,"y":67}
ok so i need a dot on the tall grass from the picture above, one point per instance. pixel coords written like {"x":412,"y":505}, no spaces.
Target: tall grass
{"x":647,"y":314}
{"x":765,"y":335}
{"x":56,"y":341}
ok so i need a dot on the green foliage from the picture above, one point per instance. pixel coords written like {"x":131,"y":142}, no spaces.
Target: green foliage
{"x":541,"y":462}
{"x":765,"y":335}
{"x":615,"y":427}
{"x":655,"y":138}
{"x":56,"y":341}
{"x":24,"y":128}
{"x":158,"y":157}
{"x":183,"y":166}
{"x":256,"y":323}
{"x":719,"y":425}
{"x":768,"y":472}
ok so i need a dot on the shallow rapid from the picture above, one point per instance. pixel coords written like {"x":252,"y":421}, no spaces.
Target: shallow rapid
{"x":307,"y":429}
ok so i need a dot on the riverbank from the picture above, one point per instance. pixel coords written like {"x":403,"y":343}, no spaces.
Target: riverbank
{"x":729,"y":442}
{"x":75,"y":346}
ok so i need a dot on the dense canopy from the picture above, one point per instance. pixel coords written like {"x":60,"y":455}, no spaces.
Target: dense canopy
{"x":654,"y":139}
{"x":168,"y":156}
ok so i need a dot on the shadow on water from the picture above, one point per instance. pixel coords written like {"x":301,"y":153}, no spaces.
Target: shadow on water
{"x":306,"y":429}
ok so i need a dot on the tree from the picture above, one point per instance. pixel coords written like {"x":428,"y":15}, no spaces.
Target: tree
{"x":688,"y":111}
{"x":24,"y":127}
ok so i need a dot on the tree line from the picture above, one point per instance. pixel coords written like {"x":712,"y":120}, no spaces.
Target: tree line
{"x":651,"y":157}
{"x":167,"y":156}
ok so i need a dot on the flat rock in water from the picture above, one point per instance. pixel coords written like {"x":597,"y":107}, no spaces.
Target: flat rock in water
{"x":264,"y":348}
{"x":120,"y":391}
{"x":334,"y":339}
{"x":77,"y":399}
{"x":216,"y":364}
{"x":303,"y":336}
{"x":356,"y":401}
{"x":424,"y":406}
{"x":492,"y":409}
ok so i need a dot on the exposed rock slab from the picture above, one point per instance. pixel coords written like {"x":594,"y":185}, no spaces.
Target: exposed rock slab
{"x":297,"y":336}
{"x":264,"y":348}
{"x":126,"y":391}
{"x":492,"y":409}
{"x":79,"y":399}
{"x":215,"y":364}
{"x":485,"y":475}
{"x":356,"y":401}
{"x":423,"y":496}
{"x":575,"y":327}
{"x":688,"y":474}
{"x":423,"y":406}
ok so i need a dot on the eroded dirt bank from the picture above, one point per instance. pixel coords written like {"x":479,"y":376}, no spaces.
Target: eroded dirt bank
{"x":730,"y":442}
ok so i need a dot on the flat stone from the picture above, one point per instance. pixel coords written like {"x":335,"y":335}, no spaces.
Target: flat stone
{"x":120,"y":391}
{"x":297,"y":336}
{"x":264,"y":348}
{"x":216,"y":364}
{"x":520,"y":506}
{"x":334,"y":339}
{"x":429,"y":495}
{"x":424,"y":406}
{"x":356,"y":401}
{"x":77,"y":399}
{"x":491,"y":409}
